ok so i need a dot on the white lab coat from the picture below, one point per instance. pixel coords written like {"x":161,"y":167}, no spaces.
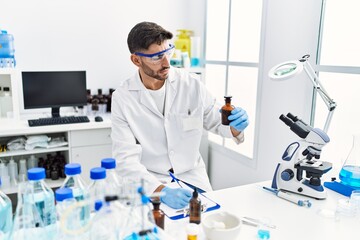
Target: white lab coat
{"x":165,"y":141}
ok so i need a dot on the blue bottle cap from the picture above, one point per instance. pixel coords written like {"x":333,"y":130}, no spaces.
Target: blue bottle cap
{"x":108,"y":163}
{"x":63,"y":193}
{"x":36,"y":174}
{"x":72,"y":169}
{"x":98,"y":173}
{"x":98,"y":205}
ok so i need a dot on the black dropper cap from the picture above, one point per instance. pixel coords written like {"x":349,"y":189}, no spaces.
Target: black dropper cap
{"x":227,"y":99}
{"x":195,"y":193}
{"x":156,"y":204}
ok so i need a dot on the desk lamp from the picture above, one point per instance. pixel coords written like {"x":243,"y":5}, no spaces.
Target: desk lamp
{"x":301,"y":156}
{"x":287,"y":70}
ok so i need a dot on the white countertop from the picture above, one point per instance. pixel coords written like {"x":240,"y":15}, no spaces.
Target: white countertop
{"x":292,"y":221}
{"x":13,"y":127}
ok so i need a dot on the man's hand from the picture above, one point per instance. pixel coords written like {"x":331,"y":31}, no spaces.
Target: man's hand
{"x":176,"y":197}
{"x":239,"y":120}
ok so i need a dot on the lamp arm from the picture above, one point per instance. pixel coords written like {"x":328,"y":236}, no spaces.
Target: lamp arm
{"x":330,"y":103}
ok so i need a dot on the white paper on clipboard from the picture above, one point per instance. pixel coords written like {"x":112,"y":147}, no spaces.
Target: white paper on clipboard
{"x":175,"y":214}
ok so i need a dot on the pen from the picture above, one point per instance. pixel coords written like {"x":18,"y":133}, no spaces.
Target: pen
{"x":174,"y":178}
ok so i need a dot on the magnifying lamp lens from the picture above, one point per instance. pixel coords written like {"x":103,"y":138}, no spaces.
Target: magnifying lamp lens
{"x":285,"y":69}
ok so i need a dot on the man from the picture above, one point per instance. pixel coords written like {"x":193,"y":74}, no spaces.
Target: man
{"x":158,"y":116}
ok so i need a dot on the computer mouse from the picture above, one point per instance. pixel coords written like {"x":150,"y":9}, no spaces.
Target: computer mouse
{"x":98,"y":119}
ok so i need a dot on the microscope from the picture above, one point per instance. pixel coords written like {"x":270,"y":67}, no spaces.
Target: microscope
{"x":302,"y":156}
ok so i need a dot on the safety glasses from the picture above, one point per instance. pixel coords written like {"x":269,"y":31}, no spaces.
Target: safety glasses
{"x":156,"y":58}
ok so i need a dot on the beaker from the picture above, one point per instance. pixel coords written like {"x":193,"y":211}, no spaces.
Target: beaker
{"x":350,"y":172}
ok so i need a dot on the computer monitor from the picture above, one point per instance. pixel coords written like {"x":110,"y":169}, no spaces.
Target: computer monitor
{"x":54,"y":89}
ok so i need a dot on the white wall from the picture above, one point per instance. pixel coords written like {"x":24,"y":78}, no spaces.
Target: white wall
{"x":290,"y":30}
{"x":89,"y":34}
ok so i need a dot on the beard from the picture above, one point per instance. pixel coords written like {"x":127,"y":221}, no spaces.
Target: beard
{"x":151,"y":73}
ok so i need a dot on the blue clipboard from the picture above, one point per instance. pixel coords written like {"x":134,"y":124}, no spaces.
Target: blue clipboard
{"x":175,"y":214}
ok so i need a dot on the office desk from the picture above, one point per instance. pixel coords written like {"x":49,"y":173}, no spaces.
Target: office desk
{"x":292,"y":222}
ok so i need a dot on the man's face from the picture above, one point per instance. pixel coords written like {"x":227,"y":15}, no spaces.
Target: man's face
{"x":157,"y":66}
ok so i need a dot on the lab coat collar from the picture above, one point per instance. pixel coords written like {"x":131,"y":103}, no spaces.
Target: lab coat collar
{"x":145,"y":97}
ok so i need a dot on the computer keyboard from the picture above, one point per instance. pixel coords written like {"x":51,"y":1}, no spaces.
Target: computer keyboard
{"x":57,"y":120}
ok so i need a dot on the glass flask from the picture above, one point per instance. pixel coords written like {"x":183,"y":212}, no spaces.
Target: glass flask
{"x":350,"y":172}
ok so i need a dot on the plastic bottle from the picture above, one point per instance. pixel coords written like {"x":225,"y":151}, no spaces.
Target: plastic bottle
{"x":4,"y":175}
{"x":195,"y":208}
{"x":80,"y":192}
{"x":97,"y":186}
{"x":7,"y":50}
{"x":159,"y":215}
{"x":183,"y":41}
{"x":226,"y":110}
{"x":195,"y":51}
{"x":13,"y":172}
{"x":44,"y":199}
{"x":22,"y":170}
{"x":5,"y":215}
{"x":32,"y":162}
{"x":6,"y":102}
{"x":192,"y":231}
{"x":112,"y":179}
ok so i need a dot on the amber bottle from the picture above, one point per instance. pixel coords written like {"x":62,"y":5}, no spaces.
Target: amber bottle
{"x":195,"y":208}
{"x":226,"y":111}
{"x":159,"y":215}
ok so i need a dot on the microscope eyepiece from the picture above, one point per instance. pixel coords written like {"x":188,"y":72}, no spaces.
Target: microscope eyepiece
{"x":286,"y":120}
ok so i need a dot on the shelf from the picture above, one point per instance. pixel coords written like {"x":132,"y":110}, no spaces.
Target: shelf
{"x":49,"y":182}
{"x":35,"y":151}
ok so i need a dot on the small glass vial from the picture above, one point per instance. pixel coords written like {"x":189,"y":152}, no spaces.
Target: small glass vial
{"x":195,"y":208}
{"x":226,"y":111}
{"x":192,"y":231}
{"x":159,"y":215}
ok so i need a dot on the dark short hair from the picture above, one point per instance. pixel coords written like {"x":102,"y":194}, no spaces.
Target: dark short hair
{"x":143,"y":34}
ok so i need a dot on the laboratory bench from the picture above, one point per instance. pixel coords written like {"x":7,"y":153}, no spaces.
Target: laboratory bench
{"x":291,"y":221}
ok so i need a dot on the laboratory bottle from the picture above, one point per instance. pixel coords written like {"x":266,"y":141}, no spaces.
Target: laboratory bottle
{"x":183,"y":41}
{"x":112,"y":178}
{"x":226,"y":110}
{"x":32,"y":162}
{"x":6,"y":102}
{"x":13,"y":172}
{"x":28,"y":223}
{"x":195,"y":208}
{"x":195,"y":51}
{"x":5,"y":215}
{"x":44,"y":198}
{"x":350,"y":171}
{"x":80,"y":192}
{"x":109,"y":97}
{"x":98,"y":185}
{"x":69,"y":219}
{"x":192,"y":231}
{"x":22,"y":170}
{"x":159,"y":215}
{"x":4,"y":175}
{"x":108,"y":222}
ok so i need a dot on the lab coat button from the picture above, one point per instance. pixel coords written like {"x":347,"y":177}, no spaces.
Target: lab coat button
{"x":171,"y":153}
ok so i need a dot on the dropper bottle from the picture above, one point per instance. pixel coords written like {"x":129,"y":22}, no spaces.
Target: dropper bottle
{"x":195,"y":208}
{"x":226,"y":111}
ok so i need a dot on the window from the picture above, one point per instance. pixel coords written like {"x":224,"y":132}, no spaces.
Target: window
{"x":233,"y":30}
{"x":339,"y":72}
